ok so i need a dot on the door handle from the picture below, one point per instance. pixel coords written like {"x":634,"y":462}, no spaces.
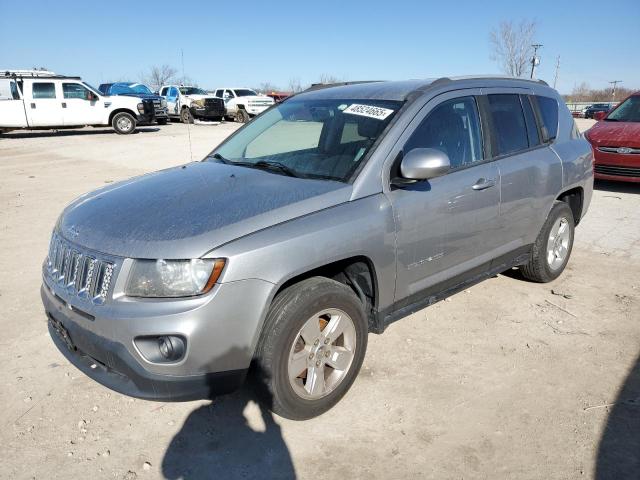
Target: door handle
{"x":33,"y":105}
{"x":484,"y":183}
{"x":64,"y":104}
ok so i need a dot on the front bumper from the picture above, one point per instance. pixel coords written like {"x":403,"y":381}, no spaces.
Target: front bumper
{"x":616,"y":167}
{"x":220,"y":332}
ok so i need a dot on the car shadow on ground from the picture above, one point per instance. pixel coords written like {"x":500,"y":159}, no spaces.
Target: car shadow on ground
{"x":217,"y":442}
{"x":619,"y":187}
{"x":71,"y":133}
{"x":619,"y":449}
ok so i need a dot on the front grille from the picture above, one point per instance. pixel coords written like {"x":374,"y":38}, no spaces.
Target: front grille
{"x":617,"y":171}
{"x":148,"y":106}
{"x":620,"y":150}
{"x":79,"y":273}
{"x":213,"y":102}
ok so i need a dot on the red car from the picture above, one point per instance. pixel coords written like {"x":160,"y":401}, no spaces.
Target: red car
{"x":616,"y":142}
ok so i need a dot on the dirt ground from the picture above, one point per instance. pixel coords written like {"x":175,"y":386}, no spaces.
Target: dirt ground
{"x":508,"y":379}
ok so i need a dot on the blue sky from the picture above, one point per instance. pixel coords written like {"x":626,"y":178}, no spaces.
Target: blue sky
{"x":246,"y":43}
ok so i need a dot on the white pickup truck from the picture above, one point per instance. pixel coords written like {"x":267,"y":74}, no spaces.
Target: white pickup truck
{"x":243,"y":103}
{"x":44,"y":101}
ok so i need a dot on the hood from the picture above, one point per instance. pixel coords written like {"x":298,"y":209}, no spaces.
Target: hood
{"x":615,"y":134}
{"x":145,"y":96}
{"x":256,"y":97}
{"x":199,"y":97}
{"x":186,"y":211}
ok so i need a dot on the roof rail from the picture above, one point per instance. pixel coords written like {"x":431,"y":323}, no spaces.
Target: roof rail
{"x":33,"y":74}
{"x":321,"y":86}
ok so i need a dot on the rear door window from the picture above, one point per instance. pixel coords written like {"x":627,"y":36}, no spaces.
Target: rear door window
{"x":549,"y":113}
{"x":508,"y":123}
{"x":44,"y":90}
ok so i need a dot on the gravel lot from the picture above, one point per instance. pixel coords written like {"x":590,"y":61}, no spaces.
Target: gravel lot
{"x":508,"y":379}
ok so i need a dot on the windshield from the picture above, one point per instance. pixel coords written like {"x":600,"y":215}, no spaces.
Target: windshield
{"x":628,"y":111}
{"x":90,"y":87}
{"x":244,"y":92}
{"x":314,"y":139}
{"x":120,"y":88}
{"x":192,"y":91}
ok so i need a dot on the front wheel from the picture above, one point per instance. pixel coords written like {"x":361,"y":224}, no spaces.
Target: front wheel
{"x":551,"y":251}
{"x":185,"y":116}
{"x":123,"y":123}
{"x":242,"y":116}
{"x":313,"y":345}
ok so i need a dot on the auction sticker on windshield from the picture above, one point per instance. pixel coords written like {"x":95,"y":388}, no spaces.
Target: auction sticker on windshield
{"x":368,"y":111}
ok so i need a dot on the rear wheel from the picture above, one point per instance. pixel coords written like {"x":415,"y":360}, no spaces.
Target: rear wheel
{"x":552,"y":249}
{"x":313,"y":345}
{"x":123,"y":123}
{"x":185,"y":116}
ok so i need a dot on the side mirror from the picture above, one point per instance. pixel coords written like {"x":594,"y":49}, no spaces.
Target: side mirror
{"x":424,"y":163}
{"x":92,"y":97}
{"x":599,"y":115}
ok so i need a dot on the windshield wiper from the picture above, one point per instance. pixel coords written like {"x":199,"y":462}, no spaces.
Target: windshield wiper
{"x":261,"y":164}
{"x":278,"y":166}
{"x":610,"y":119}
{"x":226,"y":161}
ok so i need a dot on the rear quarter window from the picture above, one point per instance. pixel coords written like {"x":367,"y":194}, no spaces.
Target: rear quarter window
{"x":549,"y":113}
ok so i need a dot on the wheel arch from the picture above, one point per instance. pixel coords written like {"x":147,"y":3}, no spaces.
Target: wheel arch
{"x":357,"y":272}
{"x":574,"y":197}
{"x":121,"y":110}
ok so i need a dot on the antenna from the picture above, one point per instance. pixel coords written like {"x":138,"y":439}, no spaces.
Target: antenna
{"x":188,"y":120}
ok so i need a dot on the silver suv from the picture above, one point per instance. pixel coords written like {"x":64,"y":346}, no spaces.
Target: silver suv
{"x":327,"y":217}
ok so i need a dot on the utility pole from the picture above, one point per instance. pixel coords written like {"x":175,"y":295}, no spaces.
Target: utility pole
{"x":613,"y":90}
{"x":535,"y":60}
{"x":555,"y":79}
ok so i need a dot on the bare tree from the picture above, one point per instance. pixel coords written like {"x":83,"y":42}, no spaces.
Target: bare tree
{"x":268,"y":87}
{"x":294,"y":85}
{"x":511,"y":46}
{"x":327,"y":78}
{"x":159,"y":75}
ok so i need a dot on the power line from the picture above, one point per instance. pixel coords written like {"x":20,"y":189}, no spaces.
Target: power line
{"x":555,"y":78}
{"x":535,"y":60}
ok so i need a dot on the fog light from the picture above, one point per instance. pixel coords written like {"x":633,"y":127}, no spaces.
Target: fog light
{"x":171,"y":348}
{"x":162,"y":348}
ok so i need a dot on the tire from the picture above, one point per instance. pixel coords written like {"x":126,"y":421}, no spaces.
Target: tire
{"x":242,"y":116}
{"x":123,"y":123}
{"x":316,"y":301}
{"x":552,"y":248}
{"x":185,"y":116}
{"x":161,"y":121}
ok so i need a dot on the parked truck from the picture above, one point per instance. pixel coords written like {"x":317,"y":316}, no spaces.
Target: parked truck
{"x":243,"y":103}
{"x":188,"y":103}
{"x":45,"y":100}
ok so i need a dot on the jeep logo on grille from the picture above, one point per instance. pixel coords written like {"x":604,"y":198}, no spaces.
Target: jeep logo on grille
{"x":624,"y":150}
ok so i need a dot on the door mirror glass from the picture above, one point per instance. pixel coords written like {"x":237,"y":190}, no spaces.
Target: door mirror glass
{"x":424,"y":163}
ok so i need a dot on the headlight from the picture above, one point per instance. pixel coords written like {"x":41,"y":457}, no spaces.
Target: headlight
{"x":163,"y":102}
{"x":173,"y":278}
{"x":141,"y":107}
{"x":198,"y":103}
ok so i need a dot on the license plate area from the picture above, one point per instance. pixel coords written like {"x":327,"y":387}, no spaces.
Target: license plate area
{"x":62,"y":333}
